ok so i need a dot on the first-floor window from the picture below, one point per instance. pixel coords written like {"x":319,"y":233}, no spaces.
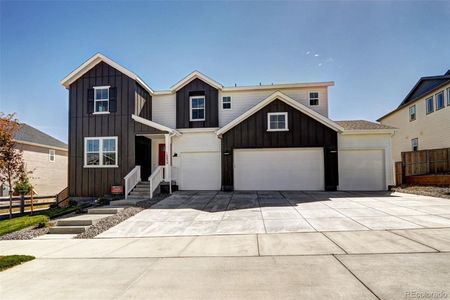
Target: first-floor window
{"x":430,"y":105}
{"x":100,"y":152}
{"x":415,"y":144}
{"x":277,"y":121}
{"x":51,"y":155}
{"x":440,"y":101}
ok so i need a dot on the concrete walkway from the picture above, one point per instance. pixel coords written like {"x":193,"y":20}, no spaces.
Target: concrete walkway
{"x":328,"y":265}
{"x":218,"y":213}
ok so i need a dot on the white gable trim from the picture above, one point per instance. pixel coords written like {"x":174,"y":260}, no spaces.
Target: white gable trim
{"x":195,"y":75}
{"x":92,"y":62}
{"x":288,"y":100}
{"x":154,"y":124}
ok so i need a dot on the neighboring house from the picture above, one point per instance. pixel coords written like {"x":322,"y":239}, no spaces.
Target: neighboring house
{"x":264,"y":137}
{"x":45,"y":157}
{"x":422,"y":120}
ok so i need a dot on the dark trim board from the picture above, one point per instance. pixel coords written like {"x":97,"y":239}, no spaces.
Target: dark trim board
{"x":303,"y":132}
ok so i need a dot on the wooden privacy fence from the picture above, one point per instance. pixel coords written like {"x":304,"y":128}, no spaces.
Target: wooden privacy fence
{"x":423,"y":162}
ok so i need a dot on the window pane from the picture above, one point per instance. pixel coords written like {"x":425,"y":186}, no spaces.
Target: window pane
{"x":273,"y":125}
{"x":109,"y":159}
{"x":93,"y":145}
{"x":109,"y":145}
{"x":92,"y":159}
{"x":313,"y":95}
{"x":101,"y":94}
{"x":226,"y":105}
{"x":98,"y":94}
{"x":226,"y":99}
{"x":201,"y":113}
{"x":198,"y":102}
{"x":105,"y":93}
{"x":101,"y":106}
{"x":281,"y":118}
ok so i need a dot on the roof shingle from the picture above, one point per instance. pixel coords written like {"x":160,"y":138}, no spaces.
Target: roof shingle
{"x":30,"y":134}
{"x":362,"y":125}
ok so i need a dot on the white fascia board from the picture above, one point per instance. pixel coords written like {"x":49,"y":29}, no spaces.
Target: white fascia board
{"x":192,"y":76}
{"x":283,"y":97}
{"x":277,"y":86}
{"x":41,"y":145}
{"x":369,"y":131}
{"x":154,"y":124}
{"x":92,"y":62}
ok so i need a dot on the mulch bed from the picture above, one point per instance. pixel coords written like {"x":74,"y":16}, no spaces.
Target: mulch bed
{"x":433,"y":191}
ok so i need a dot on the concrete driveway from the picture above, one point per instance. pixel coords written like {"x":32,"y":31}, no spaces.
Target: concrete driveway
{"x":219,"y":213}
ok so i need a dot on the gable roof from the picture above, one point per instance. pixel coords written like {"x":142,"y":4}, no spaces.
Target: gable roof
{"x":288,"y":100}
{"x":362,"y":125}
{"x":424,"y":86}
{"x":92,"y":62}
{"x":31,"y":135}
{"x":195,"y":75}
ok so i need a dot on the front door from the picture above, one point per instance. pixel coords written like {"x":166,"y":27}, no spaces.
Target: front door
{"x":144,"y":156}
{"x":162,"y":154}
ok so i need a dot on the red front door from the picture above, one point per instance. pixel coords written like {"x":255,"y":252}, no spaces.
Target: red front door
{"x":162,"y":154}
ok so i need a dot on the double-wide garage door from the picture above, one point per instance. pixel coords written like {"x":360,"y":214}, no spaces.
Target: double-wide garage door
{"x":279,"y":169}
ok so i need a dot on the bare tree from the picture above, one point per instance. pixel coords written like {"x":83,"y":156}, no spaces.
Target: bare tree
{"x":11,"y":158}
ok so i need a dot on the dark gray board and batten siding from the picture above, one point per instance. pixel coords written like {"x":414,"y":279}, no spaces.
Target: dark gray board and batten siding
{"x":303,"y":132}
{"x":131,"y":98}
{"x":197,"y":87}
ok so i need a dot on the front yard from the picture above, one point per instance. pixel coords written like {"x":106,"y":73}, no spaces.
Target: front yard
{"x":10,"y":261}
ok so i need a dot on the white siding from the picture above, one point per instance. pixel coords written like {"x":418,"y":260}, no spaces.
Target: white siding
{"x":432,"y":130}
{"x":366,"y":142}
{"x":244,"y":100}
{"x":164,"y":110}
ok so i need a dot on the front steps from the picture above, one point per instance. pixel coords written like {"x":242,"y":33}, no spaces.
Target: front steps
{"x":79,"y":224}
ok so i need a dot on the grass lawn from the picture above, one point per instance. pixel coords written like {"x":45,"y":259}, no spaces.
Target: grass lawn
{"x":10,"y":261}
{"x":11,"y":225}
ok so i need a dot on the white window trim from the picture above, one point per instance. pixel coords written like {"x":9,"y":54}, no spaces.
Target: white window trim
{"x":277,"y":114}
{"x":231,"y":103}
{"x":95,"y":100}
{"x":51,"y":153}
{"x":436,"y":100}
{"x":100,"y":152}
{"x":415,"y":113}
{"x":309,"y":98}
{"x":190,"y":108}
{"x":426,"y":105}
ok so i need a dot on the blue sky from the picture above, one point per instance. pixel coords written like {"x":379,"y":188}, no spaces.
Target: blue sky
{"x":374,"y":51}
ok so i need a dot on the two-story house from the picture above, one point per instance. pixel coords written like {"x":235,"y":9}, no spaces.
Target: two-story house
{"x":422,"y":120}
{"x":201,"y":135}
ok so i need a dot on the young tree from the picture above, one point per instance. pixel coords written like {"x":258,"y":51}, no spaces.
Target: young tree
{"x":11,"y":159}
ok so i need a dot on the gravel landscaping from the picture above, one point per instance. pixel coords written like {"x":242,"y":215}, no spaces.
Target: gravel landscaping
{"x":25,"y":234}
{"x":434,"y":191}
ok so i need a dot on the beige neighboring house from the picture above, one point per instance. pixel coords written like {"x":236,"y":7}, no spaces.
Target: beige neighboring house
{"x":422,"y":118}
{"x":46,"y":157}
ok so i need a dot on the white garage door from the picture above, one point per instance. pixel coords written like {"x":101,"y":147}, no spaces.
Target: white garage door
{"x":200,"y":171}
{"x":279,"y":169}
{"x":361,"y":170}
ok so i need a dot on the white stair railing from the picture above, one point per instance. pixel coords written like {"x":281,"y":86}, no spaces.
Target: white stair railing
{"x":132,"y":179}
{"x":155,"y":179}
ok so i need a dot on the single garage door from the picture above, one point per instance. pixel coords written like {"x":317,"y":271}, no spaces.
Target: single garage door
{"x":362,"y":170}
{"x":279,"y":169}
{"x":200,"y":171}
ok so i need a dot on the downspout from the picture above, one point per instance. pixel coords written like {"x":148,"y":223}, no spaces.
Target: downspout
{"x":168,"y":144}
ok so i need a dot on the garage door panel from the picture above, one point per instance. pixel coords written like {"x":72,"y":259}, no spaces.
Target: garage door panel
{"x":200,"y":171}
{"x":362,"y":170}
{"x":279,"y":169}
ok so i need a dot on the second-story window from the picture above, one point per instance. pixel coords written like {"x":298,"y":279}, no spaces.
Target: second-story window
{"x":448,"y":97}
{"x":412,"y":113}
{"x":430,"y":105}
{"x":226,"y":103}
{"x":101,"y":99}
{"x":440,"y":101}
{"x":415,"y":144}
{"x":51,"y":155}
{"x":277,"y":121}
{"x":197,"y":108}
{"x":313,"y":98}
